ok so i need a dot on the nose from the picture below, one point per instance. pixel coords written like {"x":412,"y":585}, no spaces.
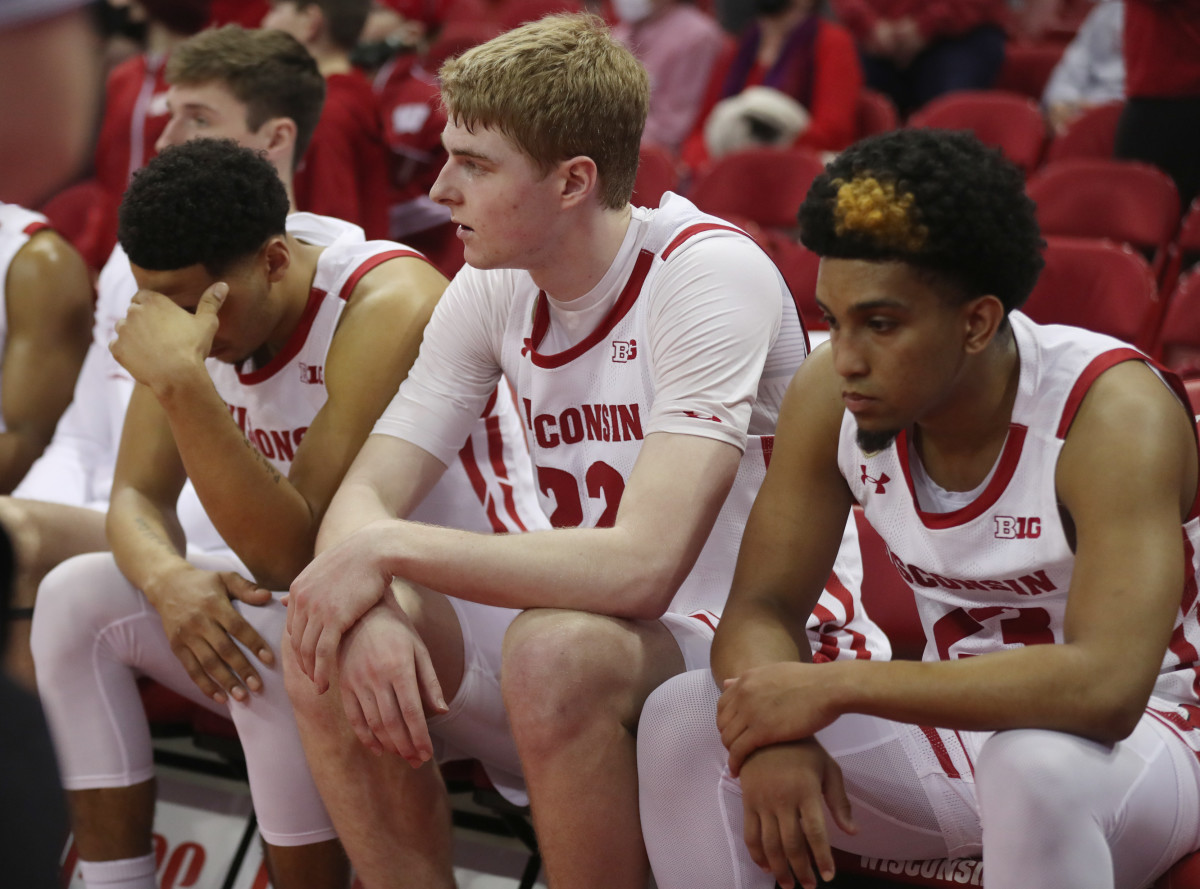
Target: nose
{"x":848,"y":359}
{"x":443,"y":192}
{"x":170,"y":136}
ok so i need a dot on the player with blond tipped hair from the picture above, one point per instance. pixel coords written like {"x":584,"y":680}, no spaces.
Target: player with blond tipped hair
{"x":649,"y":349}
{"x":1036,"y":486}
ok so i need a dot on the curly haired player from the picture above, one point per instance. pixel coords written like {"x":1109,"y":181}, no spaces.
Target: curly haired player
{"x":1037,"y":488}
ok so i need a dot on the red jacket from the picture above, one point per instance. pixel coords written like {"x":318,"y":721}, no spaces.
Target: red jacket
{"x":344,"y":172}
{"x":1162,"y":48}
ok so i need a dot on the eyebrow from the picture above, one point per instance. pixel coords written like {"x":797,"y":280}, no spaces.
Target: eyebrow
{"x":869,"y":305}
{"x":465,"y":152}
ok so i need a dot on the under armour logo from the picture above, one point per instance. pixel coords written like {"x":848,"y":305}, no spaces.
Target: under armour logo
{"x":878,"y":482}
{"x":527,"y":346}
{"x":624,"y":351}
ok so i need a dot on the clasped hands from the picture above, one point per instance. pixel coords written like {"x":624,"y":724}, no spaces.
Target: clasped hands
{"x":767,"y":718}
{"x":343,"y":619}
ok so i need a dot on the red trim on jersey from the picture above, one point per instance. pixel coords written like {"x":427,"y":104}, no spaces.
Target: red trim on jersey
{"x":495,"y":445}
{"x":1009,"y":458}
{"x":369,"y":264}
{"x":1108,"y":360}
{"x":625,"y":302}
{"x":467,"y":455}
{"x":491,"y":403}
{"x":966,"y":755}
{"x":1098,"y":365}
{"x":1179,"y":645}
{"x":839,"y":591}
{"x":292,"y":347}
{"x":768,"y":448}
{"x":34,"y":227}
{"x":698,"y":228}
{"x":705,"y":617}
{"x":939,"y":750}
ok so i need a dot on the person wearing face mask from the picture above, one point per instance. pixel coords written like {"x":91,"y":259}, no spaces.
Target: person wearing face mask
{"x":678,"y":43}
{"x":794,"y":51}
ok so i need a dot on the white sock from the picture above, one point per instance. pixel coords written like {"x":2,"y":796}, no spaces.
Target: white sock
{"x":125,"y":873}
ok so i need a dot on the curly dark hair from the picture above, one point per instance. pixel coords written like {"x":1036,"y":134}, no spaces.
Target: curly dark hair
{"x":938,"y":200}
{"x":208,"y":201}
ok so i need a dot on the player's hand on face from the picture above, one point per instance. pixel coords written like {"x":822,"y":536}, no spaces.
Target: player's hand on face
{"x":157,"y":339}
{"x":202,"y":624}
{"x":388,"y":684}
{"x":785,"y":791}
{"x":336,"y":589}
{"x":772,"y":704}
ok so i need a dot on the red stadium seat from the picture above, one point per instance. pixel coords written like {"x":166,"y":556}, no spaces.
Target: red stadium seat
{"x":1185,"y":251}
{"x":799,"y":267}
{"x":1100,"y":285}
{"x":876,"y":114}
{"x":1027,"y":67}
{"x":766,"y":185}
{"x":1125,"y":201}
{"x":1092,"y":134}
{"x":656,"y":175}
{"x":1008,"y":121}
{"x":1178,"y":345}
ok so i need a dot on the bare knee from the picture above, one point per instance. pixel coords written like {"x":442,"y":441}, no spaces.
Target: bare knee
{"x":314,"y":712}
{"x":561,"y":672}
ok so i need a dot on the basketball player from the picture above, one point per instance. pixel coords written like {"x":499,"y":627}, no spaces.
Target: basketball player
{"x":45,"y":316}
{"x":304,"y":346}
{"x":1037,"y":488}
{"x":649,"y":350}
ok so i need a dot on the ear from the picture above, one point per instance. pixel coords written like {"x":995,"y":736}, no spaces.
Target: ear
{"x":580,"y":179}
{"x":277,"y":256}
{"x":982,"y":319}
{"x":280,"y":136}
{"x":314,"y":23}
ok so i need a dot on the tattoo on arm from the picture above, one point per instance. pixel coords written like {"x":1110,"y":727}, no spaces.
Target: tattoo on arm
{"x":276,"y":476}
{"x":152,"y":535}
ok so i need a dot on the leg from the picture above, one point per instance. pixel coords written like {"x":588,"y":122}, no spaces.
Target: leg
{"x":1063,"y":811}
{"x":393,"y":821}
{"x":692,"y":808}
{"x":574,"y":685}
{"x":93,"y":636}
{"x":43,"y":535}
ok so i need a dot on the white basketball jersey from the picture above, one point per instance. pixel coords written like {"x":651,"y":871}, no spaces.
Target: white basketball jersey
{"x":17,"y":226}
{"x":994,"y":574}
{"x":583,"y":410}
{"x":488,"y":489}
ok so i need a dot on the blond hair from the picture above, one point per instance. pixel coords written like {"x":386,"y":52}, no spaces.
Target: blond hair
{"x":868,"y":206}
{"x":557,"y":88}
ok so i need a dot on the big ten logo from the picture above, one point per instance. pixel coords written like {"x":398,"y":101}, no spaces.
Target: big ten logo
{"x":624,"y":351}
{"x":177,"y":868}
{"x":1018,"y":527}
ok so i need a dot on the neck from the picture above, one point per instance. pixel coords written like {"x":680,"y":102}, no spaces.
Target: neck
{"x":775,"y":31}
{"x":290,"y":294}
{"x":961,"y":441}
{"x":330,"y":59}
{"x":579,"y":258}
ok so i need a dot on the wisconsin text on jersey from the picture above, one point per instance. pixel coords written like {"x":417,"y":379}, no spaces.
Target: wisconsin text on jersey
{"x":590,"y":422}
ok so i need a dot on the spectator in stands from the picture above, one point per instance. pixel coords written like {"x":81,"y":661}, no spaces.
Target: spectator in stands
{"x":1092,"y":70}
{"x":1161,"y":121}
{"x":409,"y":106}
{"x":344,"y":173}
{"x":679,"y":44}
{"x":915,"y":51}
{"x":791,"y":49}
{"x":135,"y":112}
{"x":45,"y":322}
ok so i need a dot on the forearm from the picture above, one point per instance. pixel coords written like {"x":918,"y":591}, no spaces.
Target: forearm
{"x":755,"y":634}
{"x":253,"y":505}
{"x":18,"y":450}
{"x":1056,"y":687}
{"x":602,"y":570}
{"x":147,"y":540}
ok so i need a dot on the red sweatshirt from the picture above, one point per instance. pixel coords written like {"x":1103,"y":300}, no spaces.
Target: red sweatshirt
{"x":1162,"y":48}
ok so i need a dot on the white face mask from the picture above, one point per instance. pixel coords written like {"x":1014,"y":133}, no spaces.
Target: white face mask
{"x":633,"y":11}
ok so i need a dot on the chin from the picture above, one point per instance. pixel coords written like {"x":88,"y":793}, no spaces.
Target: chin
{"x":872,"y":441}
